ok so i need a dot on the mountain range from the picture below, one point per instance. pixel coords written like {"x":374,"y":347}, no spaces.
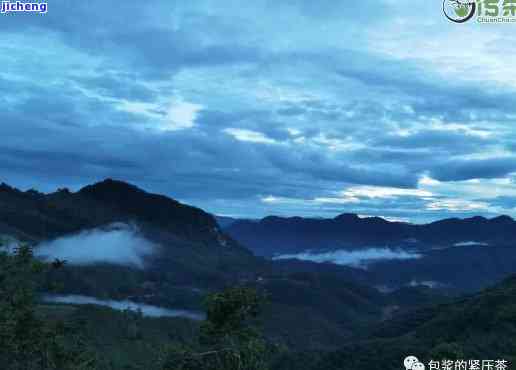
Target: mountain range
{"x":188,"y":253}
{"x":189,"y":256}
{"x":279,"y":235}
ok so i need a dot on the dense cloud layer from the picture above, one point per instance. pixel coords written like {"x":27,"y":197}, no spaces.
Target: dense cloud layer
{"x":118,"y":244}
{"x":229,"y":105}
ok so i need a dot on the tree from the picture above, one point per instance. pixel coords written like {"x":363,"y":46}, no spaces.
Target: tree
{"x":450,"y":351}
{"x":27,"y":342}
{"x":228,"y":340}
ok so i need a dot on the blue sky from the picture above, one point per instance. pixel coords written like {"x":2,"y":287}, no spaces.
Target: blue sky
{"x":308,"y":108}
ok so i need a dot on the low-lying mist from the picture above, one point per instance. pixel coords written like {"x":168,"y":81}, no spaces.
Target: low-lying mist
{"x":355,"y":258}
{"x":147,"y":310}
{"x":471,"y":244}
{"x":425,"y":283}
{"x":120,"y":244}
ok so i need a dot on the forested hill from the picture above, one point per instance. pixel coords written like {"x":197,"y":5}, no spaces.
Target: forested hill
{"x":478,"y":327}
{"x":36,"y":215}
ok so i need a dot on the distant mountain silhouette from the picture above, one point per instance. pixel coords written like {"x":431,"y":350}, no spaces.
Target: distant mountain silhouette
{"x":278,"y":235}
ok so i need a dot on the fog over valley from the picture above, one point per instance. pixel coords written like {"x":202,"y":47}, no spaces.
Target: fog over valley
{"x":354,"y":258}
{"x":119,"y":244}
{"x":145,"y":309}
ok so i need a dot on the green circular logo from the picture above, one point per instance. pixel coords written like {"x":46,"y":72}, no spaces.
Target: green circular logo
{"x":459,"y":11}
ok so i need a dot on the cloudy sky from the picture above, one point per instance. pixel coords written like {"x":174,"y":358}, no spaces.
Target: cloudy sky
{"x":250,"y":108}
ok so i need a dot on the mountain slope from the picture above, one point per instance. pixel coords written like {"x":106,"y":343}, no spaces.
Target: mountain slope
{"x":181,"y":220}
{"x":480,"y":327}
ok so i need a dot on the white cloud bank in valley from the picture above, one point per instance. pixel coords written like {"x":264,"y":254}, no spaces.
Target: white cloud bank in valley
{"x":147,"y":310}
{"x":470,"y":244}
{"x":356,"y":258}
{"x":119,"y":244}
{"x":425,"y":283}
